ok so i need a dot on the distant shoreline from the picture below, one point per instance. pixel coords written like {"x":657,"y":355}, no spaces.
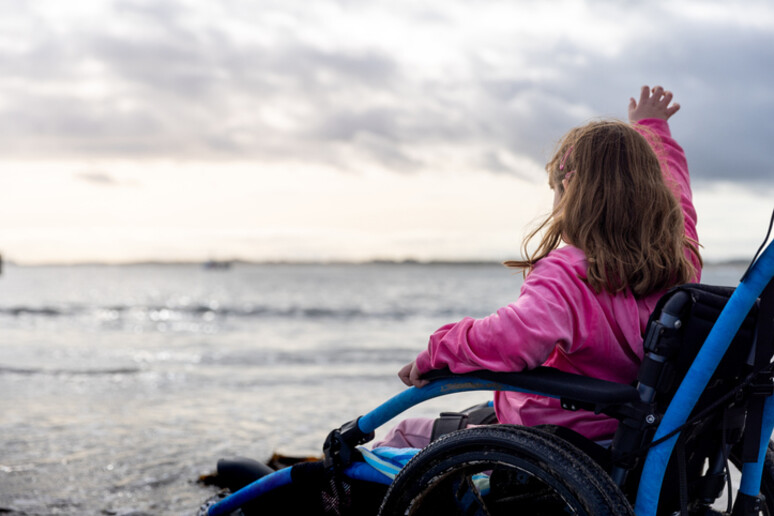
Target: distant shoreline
{"x":237,"y":262}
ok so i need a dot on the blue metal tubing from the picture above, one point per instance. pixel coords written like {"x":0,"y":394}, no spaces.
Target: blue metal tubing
{"x":248,"y":493}
{"x":753,"y":471}
{"x":282,"y":477}
{"x":413,"y":396}
{"x":367,"y":424}
{"x":696,"y":380}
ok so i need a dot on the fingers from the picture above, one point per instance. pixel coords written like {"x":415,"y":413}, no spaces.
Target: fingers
{"x":414,"y":376}
{"x":644,"y":94}
{"x":663,"y":99}
{"x":655,"y":96}
{"x":405,"y":373}
{"x":409,"y":375}
{"x":632,"y":108}
{"x":654,"y":103}
{"x":662,"y":96}
{"x":671,"y":110}
{"x":415,"y":380}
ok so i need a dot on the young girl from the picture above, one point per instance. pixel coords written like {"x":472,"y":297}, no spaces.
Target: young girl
{"x":622,"y":207}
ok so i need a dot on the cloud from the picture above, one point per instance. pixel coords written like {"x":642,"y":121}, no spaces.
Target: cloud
{"x":99,"y":178}
{"x":388,"y":86}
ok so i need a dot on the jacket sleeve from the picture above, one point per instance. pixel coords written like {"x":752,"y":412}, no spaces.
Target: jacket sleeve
{"x":518,"y":336}
{"x":675,"y":169}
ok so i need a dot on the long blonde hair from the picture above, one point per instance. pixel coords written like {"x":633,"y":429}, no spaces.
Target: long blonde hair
{"x":616,"y":207}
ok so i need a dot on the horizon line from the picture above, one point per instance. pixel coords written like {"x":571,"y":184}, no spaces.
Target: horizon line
{"x":338,"y":261}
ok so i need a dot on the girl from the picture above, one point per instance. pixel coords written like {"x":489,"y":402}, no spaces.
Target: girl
{"x":622,"y":207}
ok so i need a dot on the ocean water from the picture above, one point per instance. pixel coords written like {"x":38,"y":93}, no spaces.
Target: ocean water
{"x":121,"y":385}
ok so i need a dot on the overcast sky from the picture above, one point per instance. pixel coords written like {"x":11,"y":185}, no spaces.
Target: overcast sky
{"x":290,"y":129}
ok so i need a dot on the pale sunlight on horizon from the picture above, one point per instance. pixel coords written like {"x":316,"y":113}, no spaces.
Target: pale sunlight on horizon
{"x":191,"y":130}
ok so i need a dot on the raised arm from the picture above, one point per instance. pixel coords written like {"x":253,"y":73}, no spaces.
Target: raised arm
{"x":652,"y":111}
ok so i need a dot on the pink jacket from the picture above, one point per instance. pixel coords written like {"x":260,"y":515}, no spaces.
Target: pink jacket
{"x":559,"y":321}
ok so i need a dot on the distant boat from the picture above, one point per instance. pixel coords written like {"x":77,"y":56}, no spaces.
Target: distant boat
{"x":217,"y":264}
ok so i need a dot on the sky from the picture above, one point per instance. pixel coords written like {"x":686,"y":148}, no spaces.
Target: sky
{"x":355,"y":130}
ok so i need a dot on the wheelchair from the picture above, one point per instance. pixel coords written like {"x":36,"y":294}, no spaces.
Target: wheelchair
{"x":701,"y":405}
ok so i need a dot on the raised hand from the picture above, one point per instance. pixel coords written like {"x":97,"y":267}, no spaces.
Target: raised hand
{"x":652,"y":104}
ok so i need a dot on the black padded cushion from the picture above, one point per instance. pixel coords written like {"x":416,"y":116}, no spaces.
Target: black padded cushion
{"x":552,"y":382}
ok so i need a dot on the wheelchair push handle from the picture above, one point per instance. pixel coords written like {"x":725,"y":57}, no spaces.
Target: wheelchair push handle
{"x":660,"y":344}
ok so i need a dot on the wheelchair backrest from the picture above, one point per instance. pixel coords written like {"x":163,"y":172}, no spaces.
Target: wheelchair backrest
{"x":676,"y":331}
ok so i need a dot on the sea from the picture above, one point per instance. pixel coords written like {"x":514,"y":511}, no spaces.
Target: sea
{"x":122,"y":385}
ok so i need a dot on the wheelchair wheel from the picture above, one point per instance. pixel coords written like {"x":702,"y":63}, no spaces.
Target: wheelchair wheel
{"x":502,"y":469}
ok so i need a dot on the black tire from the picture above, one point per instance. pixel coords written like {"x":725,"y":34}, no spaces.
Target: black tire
{"x":529,"y":472}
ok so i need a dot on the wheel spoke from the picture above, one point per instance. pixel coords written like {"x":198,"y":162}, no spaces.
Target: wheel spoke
{"x":467,"y":496}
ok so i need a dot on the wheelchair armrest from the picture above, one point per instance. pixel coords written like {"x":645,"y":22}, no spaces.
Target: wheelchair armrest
{"x":554,"y":383}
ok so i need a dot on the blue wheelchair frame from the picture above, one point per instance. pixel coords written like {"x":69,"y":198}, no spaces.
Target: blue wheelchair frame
{"x":550,"y":383}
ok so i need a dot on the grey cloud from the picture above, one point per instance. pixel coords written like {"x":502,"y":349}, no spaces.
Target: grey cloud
{"x":159,"y":11}
{"x":492,"y":161}
{"x":185,"y":91}
{"x":345,"y":125}
{"x":358,"y":68}
{"x":171,"y":68}
{"x":720,"y":75}
{"x":175,"y":91}
{"x":385,"y":152}
{"x":96,"y":178}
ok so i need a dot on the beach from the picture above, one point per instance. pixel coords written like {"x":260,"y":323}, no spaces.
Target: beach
{"x":123,"y":384}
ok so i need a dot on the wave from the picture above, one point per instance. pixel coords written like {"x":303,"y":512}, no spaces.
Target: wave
{"x":78,"y":372}
{"x":327,"y":356}
{"x":209,"y":313}
{"x":17,"y":311}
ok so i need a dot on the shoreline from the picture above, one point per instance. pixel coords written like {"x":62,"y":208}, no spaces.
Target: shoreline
{"x":733,"y":262}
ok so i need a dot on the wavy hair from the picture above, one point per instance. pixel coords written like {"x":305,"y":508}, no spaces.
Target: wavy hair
{"x":616,"y":207}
